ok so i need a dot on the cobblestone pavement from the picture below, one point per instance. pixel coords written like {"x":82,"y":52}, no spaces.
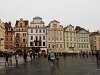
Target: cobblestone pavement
{"x":64,"y":66}
{"x":20,"y":61}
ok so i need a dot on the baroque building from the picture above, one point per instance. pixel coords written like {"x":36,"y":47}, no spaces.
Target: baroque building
{"x":83,"y":42}
{"x":2,"y":35}
{"x":95,"y":40}
{"x":9,"y":36}
{"x":20,"y":31}
{"x":55,"y":41}
{"x":70,"y":39}
{"x":37,"y":35}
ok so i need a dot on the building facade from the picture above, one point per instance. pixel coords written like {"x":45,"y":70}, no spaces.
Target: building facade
{"x":55,"y":41}
{"x":37,"y":35}
{"x":70,"y":39}
{"x":20,"y":34}
{"x":83,"y":42}
{"x":9,"y":36}
{"x":95,"y":40}
{"x":2,"y":35}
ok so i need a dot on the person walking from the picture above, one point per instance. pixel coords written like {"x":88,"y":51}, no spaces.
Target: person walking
{"x":31,"y":56}
{"x":10,"y":58}
{"x":6,"y":58}
{"x":16,"y":58}
{"x":25,"y":56}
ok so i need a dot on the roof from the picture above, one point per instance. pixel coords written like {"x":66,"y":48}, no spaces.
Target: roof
{"x":8,"y":25}
{"x":55,"y":21}
{"x":68,"y":26}
{"x":37,"y":17}
{"x":25,"y":21}
{"x":95,"y":33}
{"x":78,"y":29}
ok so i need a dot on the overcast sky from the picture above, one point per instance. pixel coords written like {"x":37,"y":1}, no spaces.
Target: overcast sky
{"x":85,"y":13}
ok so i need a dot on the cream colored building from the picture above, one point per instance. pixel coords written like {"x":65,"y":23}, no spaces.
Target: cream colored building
{"x":70,"y":39}
{"x":55,"y":41}
{"x":95,"y":40}
{"x":20,"y":34}
{"x":2,"y":35}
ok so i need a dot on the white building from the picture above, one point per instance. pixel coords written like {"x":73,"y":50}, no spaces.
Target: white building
{"x":82,"y":39}
{"x":37,"y":38}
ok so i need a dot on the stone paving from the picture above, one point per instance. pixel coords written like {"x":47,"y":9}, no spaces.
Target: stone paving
{"x":64,"y":66}
{"x":20,"y":61}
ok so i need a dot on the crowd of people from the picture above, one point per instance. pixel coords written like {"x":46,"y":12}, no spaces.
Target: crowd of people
{"x":52,"y":56}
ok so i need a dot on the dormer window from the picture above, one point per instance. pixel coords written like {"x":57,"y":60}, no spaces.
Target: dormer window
{"x":9,"y":29}
{"x":21,"y":24}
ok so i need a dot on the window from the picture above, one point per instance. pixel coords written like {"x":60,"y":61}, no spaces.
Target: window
{"x":79,"y":45}
{"x":60,"y":38}
{"x":48,"y":45}
{"x":6,"y":44}
{"x":57,"y":38}
{"x":70,"y":33}
{"x":74,"y":44}
{"x":67,"y":44}
{"x":43,"y":43}
{"x":24,"y":34}
{"x":40,"y":31}
{"x":56,"y":45}
{"x":31,"y":43}
{"x":43,"y":37}
{"x":31,"y":37}
{"x":43,"y":31}
{"x":36,"y":38}
{"x":39,"y":37}
{"x":6,"y":39}
{"x":20,"y":24}
{"x":7,"y":33}
{"x":36,"y":30}
{"x":11,"y":39}
{"x":10,"y":44}
{"x":87,"y":45}
{"x":60,"y":45}
{"x":36,"y":44}
{"x":11,"y":33}
{"x":67,"y":38}
{"x":17,"y":45}
{"x":66,"y":33}
{"x":23,"y":40}
{"x":71,"y":39}
{"x":31,"y":30}
{"x":39,"y":43}
{"x":70,"y":44}
{"x":74,"y":39}
{"x":52,"y":38}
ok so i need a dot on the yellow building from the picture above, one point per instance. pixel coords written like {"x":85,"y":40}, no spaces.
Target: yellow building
{"x":55,"y":41}
{"x":2,"y":35}
{"x":70,"y":40}
{"x":95,"y":41}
